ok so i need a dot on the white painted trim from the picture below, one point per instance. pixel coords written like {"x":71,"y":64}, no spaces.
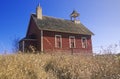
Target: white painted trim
{"x":23,"y":46}
{"x":85,"y":41}
{"x":41,"y":40}
{"x":70,"y":41}
{"x":56,"y":40}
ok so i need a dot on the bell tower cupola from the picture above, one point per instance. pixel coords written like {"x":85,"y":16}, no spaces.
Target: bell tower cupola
{"x":74,"y":17}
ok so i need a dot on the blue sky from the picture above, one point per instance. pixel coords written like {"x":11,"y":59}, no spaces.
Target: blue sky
{"x":102,"y":17}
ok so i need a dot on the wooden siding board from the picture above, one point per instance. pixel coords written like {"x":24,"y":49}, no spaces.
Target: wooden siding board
{"x":49,"y":42}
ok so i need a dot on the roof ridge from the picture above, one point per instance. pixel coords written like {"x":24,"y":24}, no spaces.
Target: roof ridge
{"x":53,"y":17}
{"x":60,"y":25}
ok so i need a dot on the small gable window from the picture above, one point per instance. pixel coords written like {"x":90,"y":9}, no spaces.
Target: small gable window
{"x":58,"y":41}
{"x":72,"y":41}
{"x":84,"y":42}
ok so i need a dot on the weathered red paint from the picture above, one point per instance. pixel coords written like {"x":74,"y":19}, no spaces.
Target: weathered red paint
{"x":49,"y":40}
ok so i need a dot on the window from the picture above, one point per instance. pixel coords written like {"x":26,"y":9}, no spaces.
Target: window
{"x":72,"y":41}
{"x":58,"y":41}
{"x":84,"y":42}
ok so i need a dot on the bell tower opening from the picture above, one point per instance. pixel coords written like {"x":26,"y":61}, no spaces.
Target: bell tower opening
{"x":74,"y":17}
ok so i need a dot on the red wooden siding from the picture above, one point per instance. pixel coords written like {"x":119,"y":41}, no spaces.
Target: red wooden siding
{"x":63,"y":43}
{"x":49,"y":42}
{"x":33,"y":30}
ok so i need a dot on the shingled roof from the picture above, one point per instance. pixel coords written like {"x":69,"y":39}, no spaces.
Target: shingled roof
{"x":60,"y":25}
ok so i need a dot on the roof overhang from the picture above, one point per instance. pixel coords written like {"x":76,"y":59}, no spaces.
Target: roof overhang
{"x":27,"y":39}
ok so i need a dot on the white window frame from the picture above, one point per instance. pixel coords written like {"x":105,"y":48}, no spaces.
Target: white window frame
{"x":70,"y":41}
{"x":56,"y":40}
{"x":85,"y":42}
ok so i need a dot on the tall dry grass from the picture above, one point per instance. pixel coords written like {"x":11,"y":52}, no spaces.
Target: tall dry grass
{"x":46,"y":66}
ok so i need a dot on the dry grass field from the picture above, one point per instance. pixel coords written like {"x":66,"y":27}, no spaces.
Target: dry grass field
{"x":56,"y":66}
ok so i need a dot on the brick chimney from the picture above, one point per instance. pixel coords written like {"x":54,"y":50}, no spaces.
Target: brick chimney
{"x":39,"y":12}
